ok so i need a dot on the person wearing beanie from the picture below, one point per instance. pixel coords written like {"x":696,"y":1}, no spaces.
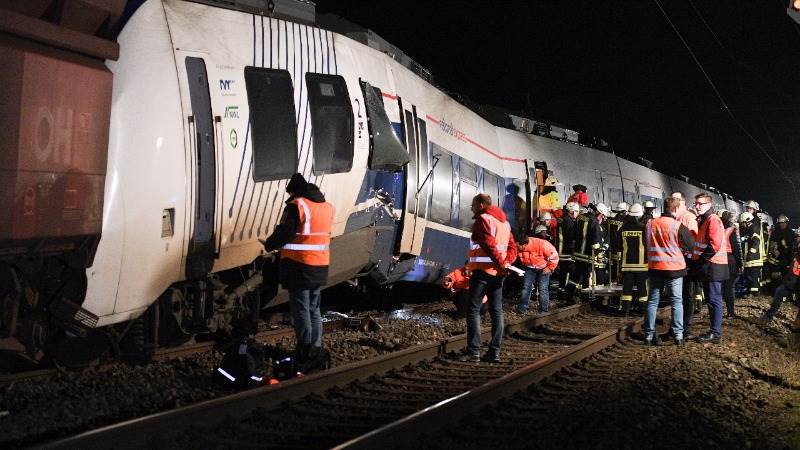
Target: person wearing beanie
{"x":303,"y":237}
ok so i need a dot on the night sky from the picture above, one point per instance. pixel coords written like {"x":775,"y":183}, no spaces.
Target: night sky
{"x":618,"y":70}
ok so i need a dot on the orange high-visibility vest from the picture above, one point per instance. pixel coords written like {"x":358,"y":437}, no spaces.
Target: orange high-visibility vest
{"x":663,"y":250}
{"x":538,"y":254}
{"x":478,"y":259}
{"x":728,"y":233}
{"x":796,"y":267}
{"x":311,"y":243}
{"x":711,"y":230}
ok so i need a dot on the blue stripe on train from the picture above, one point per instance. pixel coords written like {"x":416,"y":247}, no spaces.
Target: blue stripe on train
{"x":441,"y":253}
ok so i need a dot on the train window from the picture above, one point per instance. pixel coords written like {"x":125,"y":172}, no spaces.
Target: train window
{"x":331,"y":123}
{"x":630,"y":197}
{"x":386,"y":150}
{"x":468,"y":188}
{"x":491,"y":186}
{"x":270,"y":96}
{"x":656,"y":201}
{"x":442,"y":197}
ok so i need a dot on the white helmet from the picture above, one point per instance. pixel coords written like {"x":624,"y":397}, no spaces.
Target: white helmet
{"x":545,"y":216}
{"x":752,"y":204}
{"x":621,"y":207}
{"x":649,"y":205}
{"x":745,"y":217}
{"x":540,"y":228}
{"x":551,"y":181}
{"x":573,"y":207}
{"x":603,"y":209}
{"x":636,"y":210}
{"x":782,"y":219}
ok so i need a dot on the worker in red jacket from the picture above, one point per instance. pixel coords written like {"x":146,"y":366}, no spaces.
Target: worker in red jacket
{"x":457,"y":285}
{"x":540,"y":259}
{"x":710,"y":259}
{"x":492,"y":251}
{"x":579,"y":196}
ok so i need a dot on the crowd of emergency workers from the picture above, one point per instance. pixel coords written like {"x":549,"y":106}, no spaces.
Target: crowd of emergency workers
{"x":689,"y":253}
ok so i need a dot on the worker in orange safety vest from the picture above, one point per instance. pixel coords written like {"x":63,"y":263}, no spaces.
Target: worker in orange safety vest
{"x":540,"y":259}
{"x":710,"y":260}
{"x":666,"y":240}
{"x":491,"y":253}
{"x":303,"y":237}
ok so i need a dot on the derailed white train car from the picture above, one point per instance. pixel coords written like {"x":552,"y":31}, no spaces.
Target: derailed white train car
{"x":214,"y":109}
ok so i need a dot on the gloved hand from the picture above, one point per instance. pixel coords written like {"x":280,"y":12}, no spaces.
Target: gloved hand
{"x":596,"y":246}
{"x":447,"y":283}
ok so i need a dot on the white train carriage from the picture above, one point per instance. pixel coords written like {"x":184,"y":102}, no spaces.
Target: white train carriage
{"x":215,"y":108}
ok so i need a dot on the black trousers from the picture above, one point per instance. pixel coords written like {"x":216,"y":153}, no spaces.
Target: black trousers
{"x":753,"y":275}
{"x":582,"y":272}
{"x":566,"y":277}
{"x":629,"y":281}
{"x":692,"y":292}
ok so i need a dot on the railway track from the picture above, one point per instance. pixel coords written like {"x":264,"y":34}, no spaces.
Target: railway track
{"x":162,"y":354}
{"x":373,"y":402}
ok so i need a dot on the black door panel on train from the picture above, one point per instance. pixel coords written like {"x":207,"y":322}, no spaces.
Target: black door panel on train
{"x":200,"y":258}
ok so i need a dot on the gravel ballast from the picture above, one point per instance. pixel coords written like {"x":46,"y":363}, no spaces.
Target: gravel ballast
{"x":743,"y":393}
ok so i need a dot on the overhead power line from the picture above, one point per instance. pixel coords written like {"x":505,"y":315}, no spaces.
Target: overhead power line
{"x":725,"y":104}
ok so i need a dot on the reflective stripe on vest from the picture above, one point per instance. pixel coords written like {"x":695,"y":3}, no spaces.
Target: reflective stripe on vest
{"x":628,"y":253}
{"x":477,"y":258}
{"x":728,"y":233}
{"x":311,"y":243}
{"x":703,"y":241}
{"x":663,"y":251}
{"x":582,"y":252}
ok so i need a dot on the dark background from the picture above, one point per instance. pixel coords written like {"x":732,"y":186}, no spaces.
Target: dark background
{"x":618,"y":70}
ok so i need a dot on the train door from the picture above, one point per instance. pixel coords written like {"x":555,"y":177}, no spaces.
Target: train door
{"x":416,"y":204}
{"x":536,"y":172}
{"x":201,"y":212}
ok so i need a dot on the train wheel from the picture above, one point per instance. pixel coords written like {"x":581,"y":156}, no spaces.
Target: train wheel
{"x":175,"y":324}
{"x":25,"y":328}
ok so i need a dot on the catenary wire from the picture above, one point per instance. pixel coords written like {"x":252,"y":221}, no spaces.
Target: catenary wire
{"x":725,"y":104}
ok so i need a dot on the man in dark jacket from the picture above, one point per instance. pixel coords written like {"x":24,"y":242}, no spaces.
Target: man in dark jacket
{"x":590,"y":241}
{"x":303,"y":235}
{"x":734,"y":260}
{"x":779,"y":250}
{"x":565,"y":245}
{"x":789,"y":285}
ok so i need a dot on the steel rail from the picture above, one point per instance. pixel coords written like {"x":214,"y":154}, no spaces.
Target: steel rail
{"x":155,"y":430}
{"x":163,"y":354}
{"x":452,"y":410}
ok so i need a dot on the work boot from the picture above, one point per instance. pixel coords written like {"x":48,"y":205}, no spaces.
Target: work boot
{"x":709,"y":337}
{"x":652,"y":342}
{"x":301,"y":357}
{"x":492,"y":357}
{"x":470,"y":357}
{"x":680,"y":342}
